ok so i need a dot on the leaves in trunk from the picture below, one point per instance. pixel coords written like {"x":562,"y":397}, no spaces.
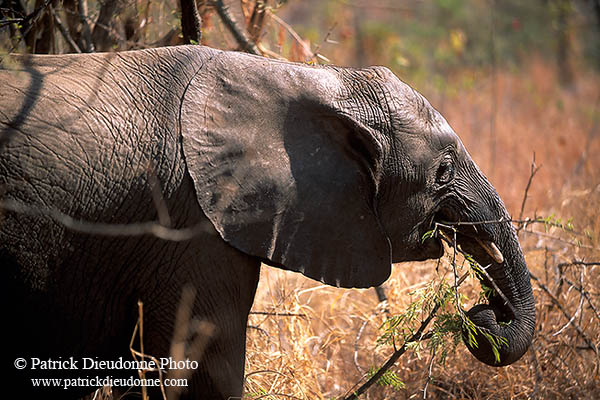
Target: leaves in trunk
{"x":451,"y":324}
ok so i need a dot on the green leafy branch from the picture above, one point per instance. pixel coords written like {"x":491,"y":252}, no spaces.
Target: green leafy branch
{"x":417,"y":336}
{"x":389,"y":378}
{"x":447,"y":325}
{"x":434,"y":298}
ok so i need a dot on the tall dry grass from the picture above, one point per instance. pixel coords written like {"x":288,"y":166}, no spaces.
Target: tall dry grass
{"x":318,"y":342}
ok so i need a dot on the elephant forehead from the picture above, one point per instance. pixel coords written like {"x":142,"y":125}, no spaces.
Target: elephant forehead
{"x":412,"y":113}
{"x":410,"y":110}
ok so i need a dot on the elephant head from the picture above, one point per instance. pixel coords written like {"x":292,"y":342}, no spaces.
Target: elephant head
{"x":338,"y":173}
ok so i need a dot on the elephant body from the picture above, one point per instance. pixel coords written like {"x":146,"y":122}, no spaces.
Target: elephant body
{"x":335,"y":173}
{"x":76,"y":293}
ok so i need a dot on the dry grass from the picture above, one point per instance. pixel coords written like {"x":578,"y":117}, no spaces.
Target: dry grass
{"x":311,"y":353}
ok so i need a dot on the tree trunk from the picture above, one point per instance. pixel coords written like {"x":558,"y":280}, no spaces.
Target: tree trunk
{"x":190,"y":22}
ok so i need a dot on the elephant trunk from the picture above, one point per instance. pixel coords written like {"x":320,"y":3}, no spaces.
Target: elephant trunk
{"x":505,"y":325}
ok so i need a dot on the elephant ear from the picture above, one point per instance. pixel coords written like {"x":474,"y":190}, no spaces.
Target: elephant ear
{"x":284,"y":176}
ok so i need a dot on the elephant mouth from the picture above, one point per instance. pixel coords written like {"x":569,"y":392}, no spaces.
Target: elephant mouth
{"x":497,"y":333}
{"x":478,"y":245}
{"x":468,"y":234}
{"x":432,"y":248}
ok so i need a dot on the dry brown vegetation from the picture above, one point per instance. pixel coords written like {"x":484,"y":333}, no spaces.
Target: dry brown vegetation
{"x":320,"y":342}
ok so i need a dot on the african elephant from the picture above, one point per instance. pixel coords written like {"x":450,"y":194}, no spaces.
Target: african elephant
{"x":332,"y":172}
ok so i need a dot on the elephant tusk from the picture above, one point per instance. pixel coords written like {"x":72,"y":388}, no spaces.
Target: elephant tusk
{"x":492,"y":250}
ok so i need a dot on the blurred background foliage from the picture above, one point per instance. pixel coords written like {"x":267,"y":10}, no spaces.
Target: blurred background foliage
{"x":415,"y":37}
{"x":441,"y":35}
{"x":424,"y":42}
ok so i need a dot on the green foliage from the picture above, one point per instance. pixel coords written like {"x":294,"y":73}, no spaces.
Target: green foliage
{"x":553,"y":221}
{"x":402,"y":326}
{"x":389,"y":379}
{"x":588,"y":234}
{"x":426,"y":39}
{"x":471,"y":331}
{"x":428,"y":235}
{"x":258,"y":393}
{"x":450,"y":324}
{"x":447,"y":325}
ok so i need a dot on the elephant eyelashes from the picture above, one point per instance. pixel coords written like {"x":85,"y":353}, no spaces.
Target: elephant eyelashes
{"x":445,"y":172}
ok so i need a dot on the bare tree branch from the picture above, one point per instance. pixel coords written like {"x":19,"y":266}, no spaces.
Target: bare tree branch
{"x":64,"y":31}
{"x":240,"y":36}
{"x":99,"y":228}
{"x":278,"y":314}
{"x":534,"y":170}
{"x":575,"y":262}
{"x":587,"y":340}
{"x":85,"y":31}
{"x":256,"y":21}
{"x":417,"y":336}
{"x":577,"y":311}
{"x":429,"y":373}
{"x":101,"y":36}
{"x":28,"y":22}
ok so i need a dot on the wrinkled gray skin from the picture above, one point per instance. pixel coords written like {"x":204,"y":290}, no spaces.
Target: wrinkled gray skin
{"x":332,"y":172}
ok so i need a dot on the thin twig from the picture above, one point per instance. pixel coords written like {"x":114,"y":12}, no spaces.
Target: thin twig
{"x":383,"y":300}
{"x":269,"y":371}
{"x":417,"y":336}
{"x":139,"y":327}
{"x":552,"y":237}
{"x":85,"y":31}
{"x":142,"y":372}
{"x":33,"y":17}
{"x":497,"y":289}
{"x":8,"y":21}
{"x":292,"y":32}
{"x":278,"y":314}
{"x":117,"y":37}
{"x":479,"y":269}
{"x":355,"y":358}
{"x":586,"y":294}
{"x":29,"y":22}
{"x":576,"y":262}
{"x":429,"y":373}
{"x":325,"y":40}
{"x":157,"y":197}
{"x":494,"y":88}
{"x":190,"y":339}
{"x":579,"y":308}
{"x":98,"y":228}
{"x":240,"y":36}
{"x":382,"y":307}
{"x":534,"y":170}
{"x":566,"y":365}
{"x":589,"y":342}
{"x":526,"y":221}
{"x":261,"y":330}
{"x":289,"y":396}
{"x":538,"y":375}
{"x":453,"y":244}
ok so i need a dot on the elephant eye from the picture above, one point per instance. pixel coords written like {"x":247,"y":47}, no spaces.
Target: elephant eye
{"x":445,"y":172}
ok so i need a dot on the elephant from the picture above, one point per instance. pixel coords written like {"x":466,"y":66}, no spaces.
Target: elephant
{"x":333,"y":172}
